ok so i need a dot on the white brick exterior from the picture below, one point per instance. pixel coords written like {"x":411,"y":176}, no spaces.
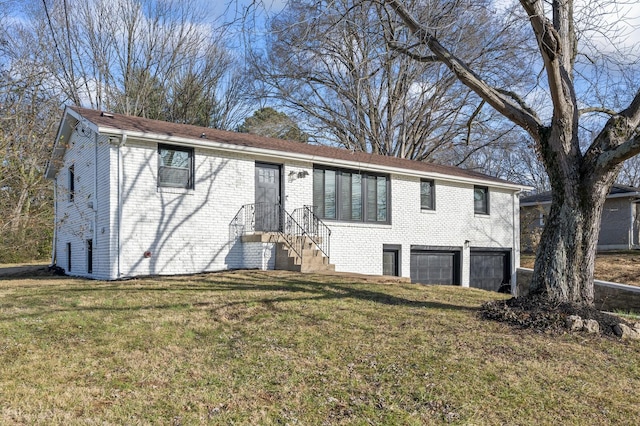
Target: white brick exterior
{"x":138,"y":228}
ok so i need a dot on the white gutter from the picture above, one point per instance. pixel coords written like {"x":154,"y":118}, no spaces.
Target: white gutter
{"x":633,"y":240}
{"x":95,"y":196}
{"x":122,"y":142}
{"x":516,"y":246}
{"x":631,"y":227}
{"x":233,"y":148}
{"x":622,"y":195}
{"x":55,"y":225}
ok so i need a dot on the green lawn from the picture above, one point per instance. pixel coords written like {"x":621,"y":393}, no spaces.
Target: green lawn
{"x":283,"y":348}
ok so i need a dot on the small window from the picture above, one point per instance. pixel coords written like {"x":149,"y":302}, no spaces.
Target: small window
{"x":175,"y":167}
{"x":427,"y":194}
{"x":481,"y":200}
{"x":72,"y":185}
{"x":68,"y":257}
{"x":89,"y":256}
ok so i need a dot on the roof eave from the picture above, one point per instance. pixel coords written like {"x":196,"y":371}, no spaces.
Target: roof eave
{"x":270,"y":153}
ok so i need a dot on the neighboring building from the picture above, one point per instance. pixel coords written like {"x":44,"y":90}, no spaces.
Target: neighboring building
{"x":143,"y":197}
{"x":619,"y":225}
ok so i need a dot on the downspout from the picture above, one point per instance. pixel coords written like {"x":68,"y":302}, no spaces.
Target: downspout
{"x":95,"y":199}
{"x":123,"y":140}
{"x":630,"y":244}
{"x":55,"y":219}
{"x":515,"y":245}
{"x":633,"y":206}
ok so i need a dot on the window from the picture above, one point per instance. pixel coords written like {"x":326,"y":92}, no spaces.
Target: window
{"x":481,"y":200}
{"x":391,"y":260}
{"x":68,"y":257}
{"x":72,"y":185}
{"x":427,"y":194}
{"x":351,"y":195}
{"x":175,"y":167}
{"x":89,"y":256}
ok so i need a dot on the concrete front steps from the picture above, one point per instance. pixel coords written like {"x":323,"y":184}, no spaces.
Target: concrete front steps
{"x":312,"y":259}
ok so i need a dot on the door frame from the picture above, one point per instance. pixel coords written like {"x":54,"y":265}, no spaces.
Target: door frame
{"x":280,"y":169}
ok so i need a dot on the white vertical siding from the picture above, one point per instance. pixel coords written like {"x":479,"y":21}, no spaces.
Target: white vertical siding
{"x":87,"y":216}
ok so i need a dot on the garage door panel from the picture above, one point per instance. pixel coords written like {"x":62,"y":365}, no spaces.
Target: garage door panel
{"x":429,"y":267}
{"x":489,"y":270}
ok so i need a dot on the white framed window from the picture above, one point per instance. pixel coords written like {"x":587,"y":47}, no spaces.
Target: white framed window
{"x":175,"y":167}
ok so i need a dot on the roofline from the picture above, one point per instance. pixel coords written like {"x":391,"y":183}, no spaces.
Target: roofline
{"x":57,"y":153}
{"x":635,"y":194}
{"x":228,"y":147}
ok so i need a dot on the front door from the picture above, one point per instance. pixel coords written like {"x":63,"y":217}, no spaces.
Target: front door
{"x":267,"y":213}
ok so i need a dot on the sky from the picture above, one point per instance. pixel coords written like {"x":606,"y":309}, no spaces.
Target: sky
{"x":230,"y":10}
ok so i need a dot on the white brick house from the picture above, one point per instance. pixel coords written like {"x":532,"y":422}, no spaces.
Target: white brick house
{"x":141,"y":197}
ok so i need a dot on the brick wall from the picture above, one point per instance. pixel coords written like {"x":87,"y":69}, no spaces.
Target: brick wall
{"x":358,"y":247}
{"x":187,"y":231}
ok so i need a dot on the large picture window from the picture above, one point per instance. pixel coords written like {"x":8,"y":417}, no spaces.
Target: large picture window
{"x":175,"y":167}
{"x":351,"y":195}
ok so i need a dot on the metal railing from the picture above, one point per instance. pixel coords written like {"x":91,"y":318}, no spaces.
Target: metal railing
{"x":294,"y":228}
{"x":315,"y":229}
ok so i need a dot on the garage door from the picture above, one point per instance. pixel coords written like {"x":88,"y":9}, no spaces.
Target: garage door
{"x":434,"y":267}
{"x":490,"y":270}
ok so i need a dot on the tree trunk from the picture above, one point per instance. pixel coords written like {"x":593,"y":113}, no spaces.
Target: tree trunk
{"x":565,"y":259}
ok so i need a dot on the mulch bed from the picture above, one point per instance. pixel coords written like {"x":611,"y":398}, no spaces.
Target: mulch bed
{"x":542,"y":315}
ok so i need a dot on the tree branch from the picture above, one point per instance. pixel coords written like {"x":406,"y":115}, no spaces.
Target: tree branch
{"x":619,"y":140}
{"x":551,"y":48}
{"x":412,"y":55}
{"x":597,"y":109}
{"x":525,"y":118}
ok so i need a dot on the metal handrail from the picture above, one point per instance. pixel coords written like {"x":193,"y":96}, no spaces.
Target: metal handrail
{"x":292,"y":233}
{"x":294,"y":228}
{"x":315,"y":229}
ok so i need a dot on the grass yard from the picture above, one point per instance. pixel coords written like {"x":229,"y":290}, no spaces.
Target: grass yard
{"x":253,"y":347}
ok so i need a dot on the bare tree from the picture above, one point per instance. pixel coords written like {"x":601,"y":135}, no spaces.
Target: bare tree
{"x":142,"y":57}
{"x":209,"y":89}
{"x":333,"y":64}
{"x":274,"y":124}
{"x":580,"y":174}
{"x":28,"y":117}
{"x":630,"y":173}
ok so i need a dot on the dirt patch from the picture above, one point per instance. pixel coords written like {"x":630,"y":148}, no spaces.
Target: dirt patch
{"x":27,"y":271}
{"x":541,"y":315}
{"x":618,"y":267}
